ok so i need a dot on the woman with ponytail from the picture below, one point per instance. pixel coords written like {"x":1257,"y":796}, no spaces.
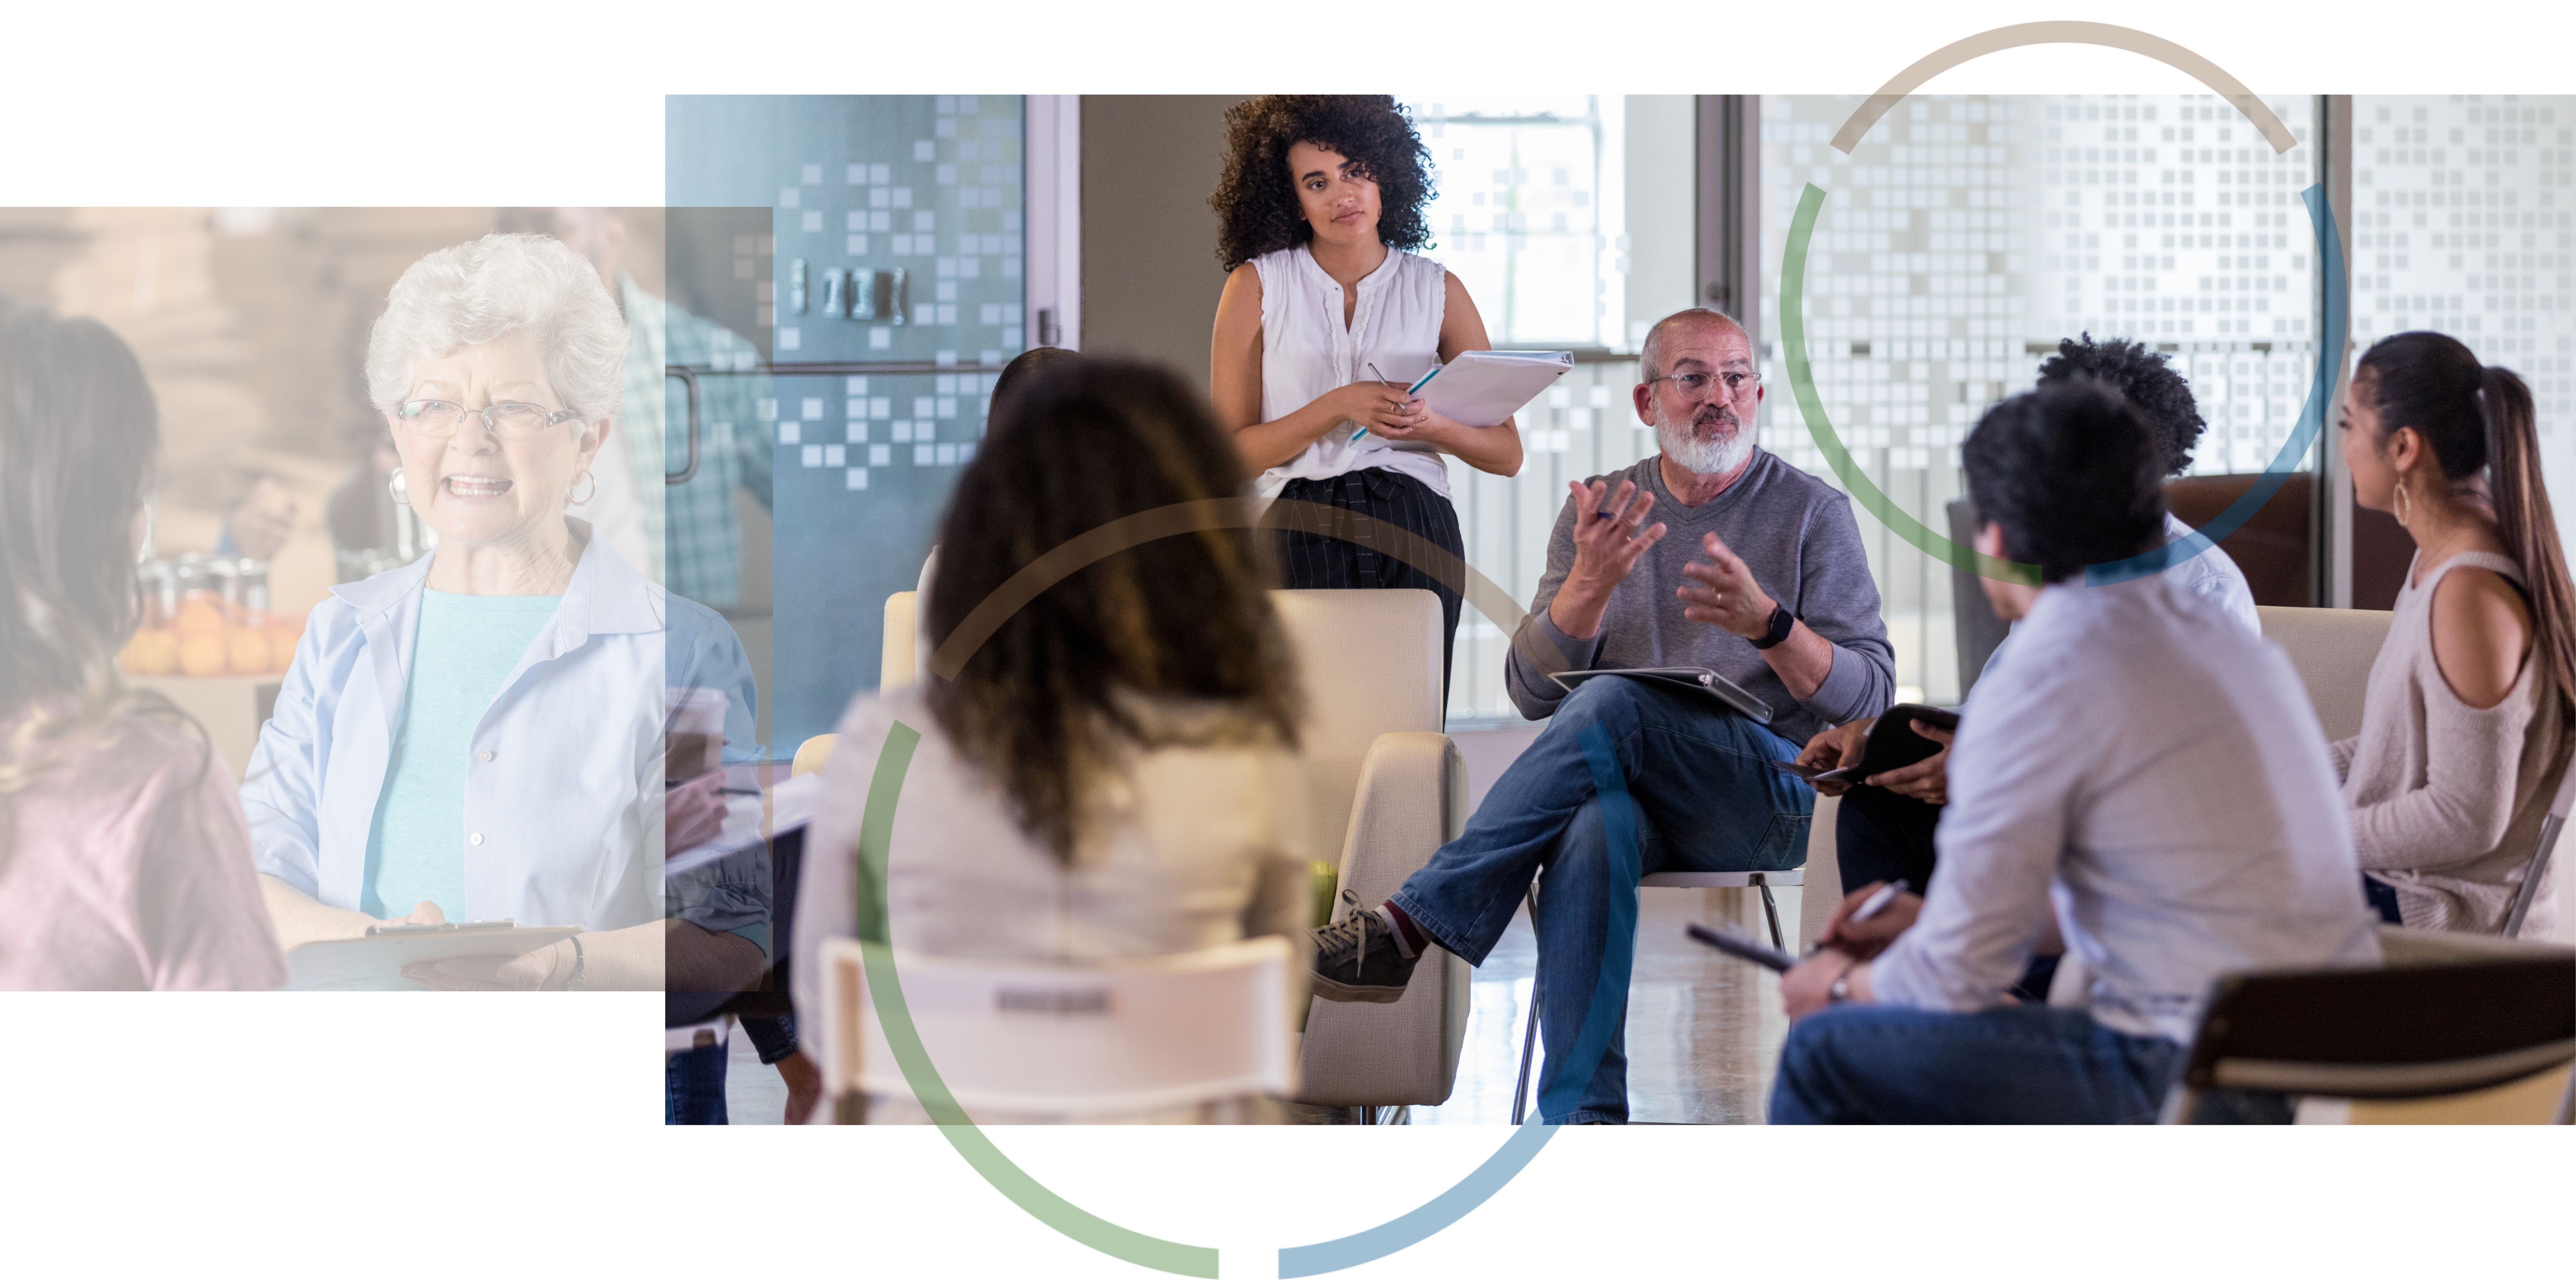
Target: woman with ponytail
{"x":124,"y":861}
{"x":2465,"y":723}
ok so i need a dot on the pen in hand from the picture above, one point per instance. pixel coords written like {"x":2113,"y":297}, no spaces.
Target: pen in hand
{"x":1876,"y":903}
{"x":1381,"y":379}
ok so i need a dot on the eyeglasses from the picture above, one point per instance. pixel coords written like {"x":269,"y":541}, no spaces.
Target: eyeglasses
{"x":1694,"y":383}
{"x":516,"y":422}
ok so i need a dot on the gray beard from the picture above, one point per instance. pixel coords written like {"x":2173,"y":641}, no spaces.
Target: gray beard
{"x":1704,"y":457}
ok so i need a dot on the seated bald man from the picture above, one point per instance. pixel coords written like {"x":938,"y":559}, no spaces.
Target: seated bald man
{"x":1712,"y":553}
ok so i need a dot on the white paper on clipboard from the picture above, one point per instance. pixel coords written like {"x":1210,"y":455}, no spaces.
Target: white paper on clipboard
{"x":750,"y":820}
{"x":1485,"y":386}
{"x":375,"y":964}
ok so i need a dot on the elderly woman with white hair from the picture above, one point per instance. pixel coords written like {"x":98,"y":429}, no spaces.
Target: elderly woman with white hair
{"x":480,"y":735}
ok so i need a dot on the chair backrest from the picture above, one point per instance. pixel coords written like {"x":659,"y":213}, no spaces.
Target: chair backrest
{"x":1368,"y":662}
{"x":813,"y":754}
{"x":905,"y":661}
{"x":2332,"y":649}
{"x":1097,"y":1039}
{"x":902,"y":620}
{"x":2536,"y":872}
{"x":1978,"y":632}
{"x":2435,"y":1028}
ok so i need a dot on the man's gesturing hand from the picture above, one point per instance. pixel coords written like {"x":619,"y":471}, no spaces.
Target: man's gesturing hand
{"x":1605,"y":549}
{"x":1723,"y":594}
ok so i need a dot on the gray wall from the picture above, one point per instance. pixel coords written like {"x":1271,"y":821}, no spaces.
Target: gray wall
{"x":1149,"y":274}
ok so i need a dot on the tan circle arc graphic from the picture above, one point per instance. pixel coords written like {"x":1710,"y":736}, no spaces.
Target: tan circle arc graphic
{"x":2063,"y":33}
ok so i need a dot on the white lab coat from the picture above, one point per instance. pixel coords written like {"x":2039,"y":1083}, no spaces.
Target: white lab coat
{"x":564,"y":788}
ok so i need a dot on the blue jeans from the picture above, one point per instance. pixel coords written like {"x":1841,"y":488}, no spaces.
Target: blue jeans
{"x":2011,"y":1064}
{"x":1702,"y":794}
{"x":693,"y":1087}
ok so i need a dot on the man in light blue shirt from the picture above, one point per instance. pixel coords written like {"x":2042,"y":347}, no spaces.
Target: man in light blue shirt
{"x":1884,"y":829}
{"x":2140,"y":772}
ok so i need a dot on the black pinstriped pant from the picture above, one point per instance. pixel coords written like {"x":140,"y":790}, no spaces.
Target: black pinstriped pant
{"x":1308,"y":561}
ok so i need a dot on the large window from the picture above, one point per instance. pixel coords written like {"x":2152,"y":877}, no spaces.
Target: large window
{"x":1569,"y":220}
{"x":2464,"y":223}
{"x":1965,"y":236}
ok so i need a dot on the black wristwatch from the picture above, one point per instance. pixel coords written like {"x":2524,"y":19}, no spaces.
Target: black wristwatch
{"x":1781,"y":624}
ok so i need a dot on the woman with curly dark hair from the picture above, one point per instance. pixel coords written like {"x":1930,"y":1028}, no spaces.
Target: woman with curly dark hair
{"x":1327,"y":318}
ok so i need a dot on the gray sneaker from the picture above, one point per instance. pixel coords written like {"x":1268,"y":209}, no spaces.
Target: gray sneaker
{"x":1357,"y":958}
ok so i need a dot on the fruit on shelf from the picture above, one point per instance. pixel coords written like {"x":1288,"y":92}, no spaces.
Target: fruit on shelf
{"x":246,"y":651}
{"x":150,"y":652}
{"x":199,"y":617}
{"x":203,"y":653}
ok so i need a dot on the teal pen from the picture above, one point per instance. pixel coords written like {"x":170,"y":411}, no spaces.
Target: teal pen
{"x":1381,"y":379}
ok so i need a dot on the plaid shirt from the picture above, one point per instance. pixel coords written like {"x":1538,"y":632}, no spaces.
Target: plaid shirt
{"x":695,"y":539}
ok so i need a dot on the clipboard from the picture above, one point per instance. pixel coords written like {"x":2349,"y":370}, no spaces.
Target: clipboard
{"x":1693,"y":679}
{"x":374,"y":962}
{"x":1486,"y":386}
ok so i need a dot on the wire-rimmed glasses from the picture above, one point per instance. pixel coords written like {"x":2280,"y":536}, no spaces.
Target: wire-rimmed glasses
{"x":515,"y":422}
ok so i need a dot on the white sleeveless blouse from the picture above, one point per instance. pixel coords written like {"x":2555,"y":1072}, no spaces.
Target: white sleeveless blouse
{"x":1306,"y":353}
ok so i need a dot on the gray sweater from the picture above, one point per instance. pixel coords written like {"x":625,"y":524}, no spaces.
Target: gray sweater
{"x":1795,"y":533}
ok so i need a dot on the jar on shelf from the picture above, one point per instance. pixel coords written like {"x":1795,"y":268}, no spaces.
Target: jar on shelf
{"x":250,"y":590}
{"x":160,"y":583}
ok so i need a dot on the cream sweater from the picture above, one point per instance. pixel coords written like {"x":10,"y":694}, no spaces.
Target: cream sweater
{"x":1192,"y":848}
{"x":2447,"y":800}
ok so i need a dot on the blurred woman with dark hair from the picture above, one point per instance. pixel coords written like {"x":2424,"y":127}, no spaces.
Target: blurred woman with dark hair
{"x":1111,"y":774}
{"x":1327,"y":320}
{"x":2465,"y":724}
{"x":124,"y":860}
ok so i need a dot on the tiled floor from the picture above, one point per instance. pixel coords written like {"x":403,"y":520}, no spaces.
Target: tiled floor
{"x":753,"y":1093}
{"x":1704,"y":1030}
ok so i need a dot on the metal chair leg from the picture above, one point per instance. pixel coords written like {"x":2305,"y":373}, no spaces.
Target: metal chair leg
{"x":1770,"y":911}
{"x":1529,"y":1031}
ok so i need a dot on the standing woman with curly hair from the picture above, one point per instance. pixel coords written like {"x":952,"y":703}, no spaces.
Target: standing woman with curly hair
{"x":1327,"y":317}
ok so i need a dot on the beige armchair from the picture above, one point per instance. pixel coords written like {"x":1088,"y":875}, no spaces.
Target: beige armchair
{"x":2332,"y":649}
{"x":1387,"y":788}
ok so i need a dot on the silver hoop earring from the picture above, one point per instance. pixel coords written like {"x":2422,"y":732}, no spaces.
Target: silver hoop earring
{"x":586,"y":477}
{"x":2402,"y":504}
{"x":399,"y":487}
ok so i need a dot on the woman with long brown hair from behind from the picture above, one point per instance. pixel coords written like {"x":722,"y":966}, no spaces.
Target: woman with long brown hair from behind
{"x":2465,"y":723}
{"x":124,"y":861}
{"x":1111,"y":774}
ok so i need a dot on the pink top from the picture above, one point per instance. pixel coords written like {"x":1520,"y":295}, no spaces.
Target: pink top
{"x":129,"y":867}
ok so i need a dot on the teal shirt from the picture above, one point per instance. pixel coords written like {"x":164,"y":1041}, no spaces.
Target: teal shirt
{"x":466,"y":647}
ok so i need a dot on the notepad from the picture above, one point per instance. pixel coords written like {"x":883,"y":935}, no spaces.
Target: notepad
{"x":1485,"y":386}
